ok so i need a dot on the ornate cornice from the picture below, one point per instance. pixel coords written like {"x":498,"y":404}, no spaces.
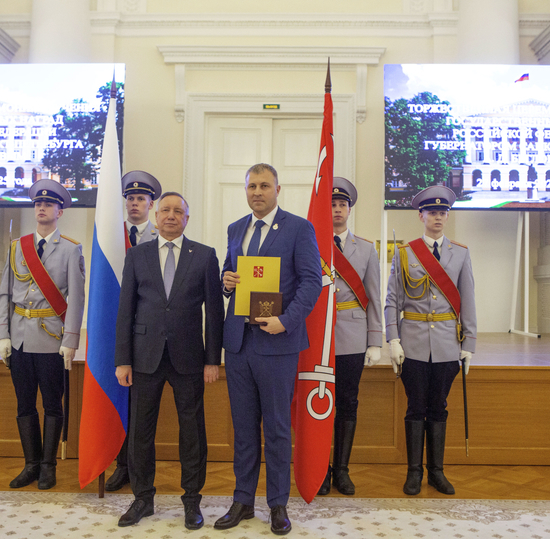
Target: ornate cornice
{"x":185,"y":57}
{"x":8,"y":47}
{"x":541,"y":46}
{"x":313,"y":56}
{"x":132,"y":24}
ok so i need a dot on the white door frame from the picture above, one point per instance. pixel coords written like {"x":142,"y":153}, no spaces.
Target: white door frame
{"x":199,"y":106}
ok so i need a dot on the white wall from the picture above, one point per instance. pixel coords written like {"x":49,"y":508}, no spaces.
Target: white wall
{"x":154,"y":139}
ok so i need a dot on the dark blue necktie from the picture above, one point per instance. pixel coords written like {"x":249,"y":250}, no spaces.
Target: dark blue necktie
{"x":133,"y":232}
{"x":436,"y":252}
{"x":254,"y":245}
{"x":338,"y":243}
{"x":40,"y":249}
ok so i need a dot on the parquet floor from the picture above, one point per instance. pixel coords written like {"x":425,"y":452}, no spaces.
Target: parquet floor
{"x":371,"y":480}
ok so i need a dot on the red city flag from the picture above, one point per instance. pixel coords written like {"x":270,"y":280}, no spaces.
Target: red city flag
{"x":313,"y":404}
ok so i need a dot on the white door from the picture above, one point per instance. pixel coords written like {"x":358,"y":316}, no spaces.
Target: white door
{"x":233,"y":145}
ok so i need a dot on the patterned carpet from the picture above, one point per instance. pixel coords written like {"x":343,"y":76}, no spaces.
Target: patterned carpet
{"x":26,"y":515}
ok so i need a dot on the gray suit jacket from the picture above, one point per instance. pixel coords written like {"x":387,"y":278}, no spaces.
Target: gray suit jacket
{"x":438,"y":339}
{"x":63,"y":260}
{"x":356,"y":330}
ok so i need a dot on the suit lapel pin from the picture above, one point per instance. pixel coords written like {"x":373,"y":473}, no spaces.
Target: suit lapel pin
{"x":275,"y":226}
{"x":190,"y":250}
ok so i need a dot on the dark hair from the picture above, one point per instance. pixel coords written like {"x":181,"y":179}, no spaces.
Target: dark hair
{"x":261,"y":167}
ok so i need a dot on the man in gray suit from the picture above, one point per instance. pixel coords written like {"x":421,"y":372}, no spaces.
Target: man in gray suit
{"x":140,"y":189}
{"x":159,"y":338}
{"x":432,"y":285}
{"x":358,"y":330}
{"x":46,"y":272}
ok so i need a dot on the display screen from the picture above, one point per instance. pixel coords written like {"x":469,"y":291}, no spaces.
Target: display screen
{"x":482,"y":130}
{"x":52,"y":124}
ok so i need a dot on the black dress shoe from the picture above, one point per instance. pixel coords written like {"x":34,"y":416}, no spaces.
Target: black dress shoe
{"x":138,"y":510}
{"x":236,"y":513}
{"x":119,"y":478}
{"x":280,"y":523}
{"x":193,"y":515}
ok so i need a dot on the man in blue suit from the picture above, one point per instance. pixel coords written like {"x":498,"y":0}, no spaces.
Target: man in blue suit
{"x":261,"y":361}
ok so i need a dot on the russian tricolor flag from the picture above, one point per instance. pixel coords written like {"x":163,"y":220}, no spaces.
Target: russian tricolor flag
{"x":525,"y":76}
{"x":104,"y":417}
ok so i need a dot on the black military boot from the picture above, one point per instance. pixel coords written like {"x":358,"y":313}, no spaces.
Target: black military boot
{"x":435,"y":451}
{"x":344,"y":432}
{"x":52,"y":433}
{"x":31,"y":441}
{"x":414,"y":434}
{"x":325,"y":487}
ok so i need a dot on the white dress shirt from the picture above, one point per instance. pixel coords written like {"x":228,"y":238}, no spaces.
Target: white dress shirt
{"x":268,"y":220}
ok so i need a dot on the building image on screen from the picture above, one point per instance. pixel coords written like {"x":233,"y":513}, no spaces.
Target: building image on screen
{"x":52,"y":122}
{"x":482,"y":130}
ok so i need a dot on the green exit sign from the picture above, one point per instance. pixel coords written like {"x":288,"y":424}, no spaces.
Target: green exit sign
{"x":272,"y":107}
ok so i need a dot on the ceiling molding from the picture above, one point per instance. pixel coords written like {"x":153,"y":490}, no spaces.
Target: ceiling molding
{"x":131,"y":24}
{"x":541,"y":46}
{"x":8,"y":47}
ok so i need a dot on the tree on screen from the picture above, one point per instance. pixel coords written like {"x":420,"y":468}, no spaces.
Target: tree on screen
{"x":408,"y":163}
{"x":76,"y":148}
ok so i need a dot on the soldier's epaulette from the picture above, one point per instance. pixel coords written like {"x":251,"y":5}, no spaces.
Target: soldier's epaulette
{"x":364,"y":239}
{"x":459,"y":244}
{"x":69,"y":239}
{"x":402,"y":246}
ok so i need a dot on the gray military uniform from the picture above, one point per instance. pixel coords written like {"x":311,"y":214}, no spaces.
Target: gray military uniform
{"x":63,"y":260}
{"x":356,"y":329}
{"x":420,"y":339}
{"x":150,"y":233}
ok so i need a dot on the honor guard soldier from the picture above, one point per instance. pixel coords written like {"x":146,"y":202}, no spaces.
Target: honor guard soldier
{"x":432,"y":286}
{"x":358,"y":330}
{"x":139,"y":189}
{"x":47,"y":293}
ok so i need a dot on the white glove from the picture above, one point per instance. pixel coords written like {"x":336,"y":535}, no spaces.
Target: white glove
{"x":467,"y":357}
{"x":5,"y":351}
{"x":68,"y":356}
{"x":397,"y":355}
{"x":372,"y":356}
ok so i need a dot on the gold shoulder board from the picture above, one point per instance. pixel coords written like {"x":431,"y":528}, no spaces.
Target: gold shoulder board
{"x":364,"y":239}
{"x":459,"y":244}
{"x":69,"y":239}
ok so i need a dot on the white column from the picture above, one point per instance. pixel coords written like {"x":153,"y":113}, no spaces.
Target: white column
{"x":488,"y":32}
{"x":60,"y":31}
